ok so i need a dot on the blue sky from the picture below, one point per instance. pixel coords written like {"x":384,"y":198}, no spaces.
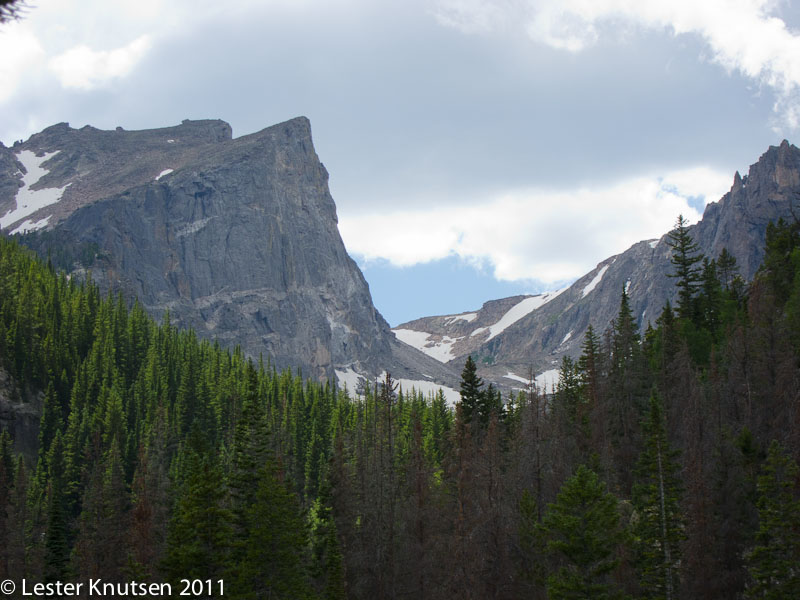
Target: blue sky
{"x":476,"y":148}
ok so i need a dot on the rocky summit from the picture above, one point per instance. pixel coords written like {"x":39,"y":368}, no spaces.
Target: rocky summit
{"x":515,"y":338}
{"x":236,"y":238}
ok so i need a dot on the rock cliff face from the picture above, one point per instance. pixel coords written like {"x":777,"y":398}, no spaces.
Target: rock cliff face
{"x":20,"y":412}
{"x":546,"y":331}
{"x":236,"y":238}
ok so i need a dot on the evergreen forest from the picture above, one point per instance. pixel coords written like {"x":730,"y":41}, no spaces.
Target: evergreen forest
{"x":663,"y":465}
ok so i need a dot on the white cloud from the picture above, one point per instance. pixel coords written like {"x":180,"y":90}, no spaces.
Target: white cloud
{"x":83,"y":68}
{"x":22,"y":45}
{"x":550,"y":236}
{"x":470,"y":16}
{"x":742,"y":35}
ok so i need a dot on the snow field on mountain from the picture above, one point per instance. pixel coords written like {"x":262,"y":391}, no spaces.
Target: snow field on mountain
{"x":350,"y":378}
{"x":544,"y":381}
{"x":28,"y":200}
{"x":593,"y":283}
{"x":441,"y":351}
{"x":518,"y":311}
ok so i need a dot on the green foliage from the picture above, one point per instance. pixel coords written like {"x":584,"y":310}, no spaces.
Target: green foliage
{"x":781,"y":258}
{"x":56,"y":541}
{"x":583,"y":531}
{"x":774,"y":562}
{"x":531,"y":542}
{"x":685,"y":256}
{"x":200,"y":534}
{"x":658,"y":525}
{"x":273,"y":483}
{"x":272,"y":562}
{"x":471,"y":390}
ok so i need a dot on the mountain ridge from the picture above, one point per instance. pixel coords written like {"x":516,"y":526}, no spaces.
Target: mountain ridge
{"x":235,"y":237}
{"x":537,"y":342}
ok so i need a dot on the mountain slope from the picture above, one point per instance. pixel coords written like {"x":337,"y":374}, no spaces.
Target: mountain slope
{"x":539,"y":339}
{"x":236,"y":238}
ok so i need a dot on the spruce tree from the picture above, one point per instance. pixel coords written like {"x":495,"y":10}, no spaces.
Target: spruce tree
{"x":658,"y":527}
{"x":56,"y":560}
{"x":471,"y":391}
{"x":584,"y":532}
{"x":273,"y":563}
{"x":199,"y":535}
{"x":774,"y":563}
{"x":588,"y":364}
{"x":685,"y":256}
{"x":6,"y":492}
{"x":727,"y":269}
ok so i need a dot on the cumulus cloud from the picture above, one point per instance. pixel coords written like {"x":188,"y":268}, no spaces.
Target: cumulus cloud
{"x":550,"y":236}
{"x":27,"y":52}
{"x":85,"y":69}
{"x":742,"y":36}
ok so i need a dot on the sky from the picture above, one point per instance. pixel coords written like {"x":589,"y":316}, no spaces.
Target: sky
{"x":476,"y":148}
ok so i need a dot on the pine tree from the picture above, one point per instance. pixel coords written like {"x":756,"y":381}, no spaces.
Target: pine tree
{"x":17,"y":524}
{"x":471,"y":391}
{"x":274,"y":561}
{"x":727,"y":269}
{"x":101,"y":545}
{"x":531,"y":545}
{"x":658,"y":527}
{"x":199,"y":535}
{"x":6,"y":493}
{"x":711,"y":297}
{"x":56,"y":540}
{"x":588,"y":364}
{"x":774,"y":563}
{"x":490,"y":403}
{"x":685,"y":257}
{"x":583,"y":531}
{"x":625,"y":396}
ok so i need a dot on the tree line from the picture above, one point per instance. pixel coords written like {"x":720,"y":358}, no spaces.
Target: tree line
{"x":663,"y":465}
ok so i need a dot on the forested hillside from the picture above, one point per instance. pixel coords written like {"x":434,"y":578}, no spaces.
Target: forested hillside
{"x":663,"y":465}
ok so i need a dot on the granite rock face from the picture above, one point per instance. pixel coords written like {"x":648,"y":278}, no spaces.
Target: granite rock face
{"x":236,"y":238}
{"x":538,"y":340}
{"x":20,"y":413}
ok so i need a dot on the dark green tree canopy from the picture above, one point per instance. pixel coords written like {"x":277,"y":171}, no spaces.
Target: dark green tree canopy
{"x":685,"y":256}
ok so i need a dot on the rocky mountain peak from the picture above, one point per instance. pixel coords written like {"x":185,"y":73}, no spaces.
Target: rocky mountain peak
{"x":236,"y":238}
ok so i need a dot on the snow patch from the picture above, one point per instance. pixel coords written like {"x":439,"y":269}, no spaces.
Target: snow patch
{"x":478,"y":331}
{"x":349,"y":379}
{"x":544,"y":381}
{"x":627,"y":285}
{"x":518,"y":311}
{"x":28,"y":200}
{"x":441,"y":350}
{"x":548,"y":379}
{"x":511,"y":375}
{"x":170,"y":141}
{"x":468,"y":317}
{"x":28,"y":225}
{"x":451,"y":396}
{"x":593,"y":283}
{"x":653,"y":243}
{"x":566,"y":337}
{"x":164,"y":172}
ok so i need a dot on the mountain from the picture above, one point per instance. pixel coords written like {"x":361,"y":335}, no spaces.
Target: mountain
{"x":512,"y":337}
{"x":236,"y":238}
